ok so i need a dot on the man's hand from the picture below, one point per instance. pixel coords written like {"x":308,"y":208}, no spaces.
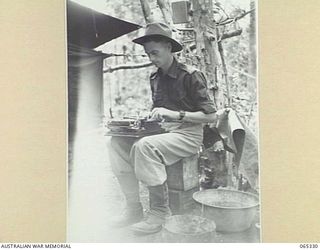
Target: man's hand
{"x":222,"y":113}
{"x":164,"y":114}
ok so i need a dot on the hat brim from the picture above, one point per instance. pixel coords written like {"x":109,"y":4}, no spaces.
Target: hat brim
{"x":176,"y":46}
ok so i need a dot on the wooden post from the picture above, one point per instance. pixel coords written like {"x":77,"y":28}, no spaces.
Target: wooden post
{"x":146,"y":11}
{"x":207,"y":47}
{"x":225,"y":73}
{"x":252,"y":51}
{"x":166,"y":11}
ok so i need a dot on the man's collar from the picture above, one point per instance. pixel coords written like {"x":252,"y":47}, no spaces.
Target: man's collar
{"x":173,"y":70}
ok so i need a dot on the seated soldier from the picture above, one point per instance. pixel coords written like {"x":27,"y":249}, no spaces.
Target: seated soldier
{"x":181,"y":101}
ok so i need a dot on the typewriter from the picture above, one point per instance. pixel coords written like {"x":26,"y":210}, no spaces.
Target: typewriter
{"x":133,"y":127}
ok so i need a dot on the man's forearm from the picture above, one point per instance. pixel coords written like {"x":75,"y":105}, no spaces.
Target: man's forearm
{"x":199,"y":117}
{"x":160,"y":113}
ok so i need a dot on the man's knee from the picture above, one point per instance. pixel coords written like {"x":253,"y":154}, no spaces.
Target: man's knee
{"x":144,"y":146}
{"x":145,"y":149}
{"x":142,"y":143}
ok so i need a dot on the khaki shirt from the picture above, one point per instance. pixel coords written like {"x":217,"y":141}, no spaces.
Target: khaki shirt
{"x":182,"y":88}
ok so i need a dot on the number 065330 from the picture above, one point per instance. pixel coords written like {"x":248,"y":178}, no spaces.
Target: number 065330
{"x":308,"y":245}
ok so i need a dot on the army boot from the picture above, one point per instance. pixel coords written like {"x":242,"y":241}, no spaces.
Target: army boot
{"x":159,"y":211}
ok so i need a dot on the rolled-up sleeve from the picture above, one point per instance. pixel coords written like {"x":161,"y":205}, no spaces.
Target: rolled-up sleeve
{"x":200,"y":95}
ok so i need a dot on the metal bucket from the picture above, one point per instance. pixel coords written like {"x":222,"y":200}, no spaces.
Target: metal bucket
{"x":231,"y":210}
{"x":188,"y":228}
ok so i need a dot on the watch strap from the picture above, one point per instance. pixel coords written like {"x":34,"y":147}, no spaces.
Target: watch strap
{"x":182,"y":114}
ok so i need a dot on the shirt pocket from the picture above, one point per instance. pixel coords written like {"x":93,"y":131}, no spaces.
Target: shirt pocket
{"x":180,"y":97}
{"x":185,"y":104}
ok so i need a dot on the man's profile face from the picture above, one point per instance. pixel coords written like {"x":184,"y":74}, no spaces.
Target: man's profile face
{"x":159,"y":53}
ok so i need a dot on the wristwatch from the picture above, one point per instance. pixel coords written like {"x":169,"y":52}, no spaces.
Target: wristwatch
{"x":182,"y":114}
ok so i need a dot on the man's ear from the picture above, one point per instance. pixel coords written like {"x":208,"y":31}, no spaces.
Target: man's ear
{"x":170,"y":46}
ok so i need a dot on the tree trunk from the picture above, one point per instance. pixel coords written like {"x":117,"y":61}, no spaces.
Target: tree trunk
{"x":207,"y":47}
{"x":164,"y":6}
{"x":146,"y":11}
{"x":252,"y":52}
{"x":225,"y":74}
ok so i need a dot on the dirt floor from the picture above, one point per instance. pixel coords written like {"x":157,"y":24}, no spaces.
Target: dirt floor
{"x":94,"y":198}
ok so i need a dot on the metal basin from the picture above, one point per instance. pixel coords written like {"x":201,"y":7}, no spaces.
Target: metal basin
{"x":188,"y":228}
{"x":231,"y":210}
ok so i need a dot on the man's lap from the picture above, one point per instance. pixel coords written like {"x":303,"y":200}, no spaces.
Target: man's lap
{"x":179,"y":144}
